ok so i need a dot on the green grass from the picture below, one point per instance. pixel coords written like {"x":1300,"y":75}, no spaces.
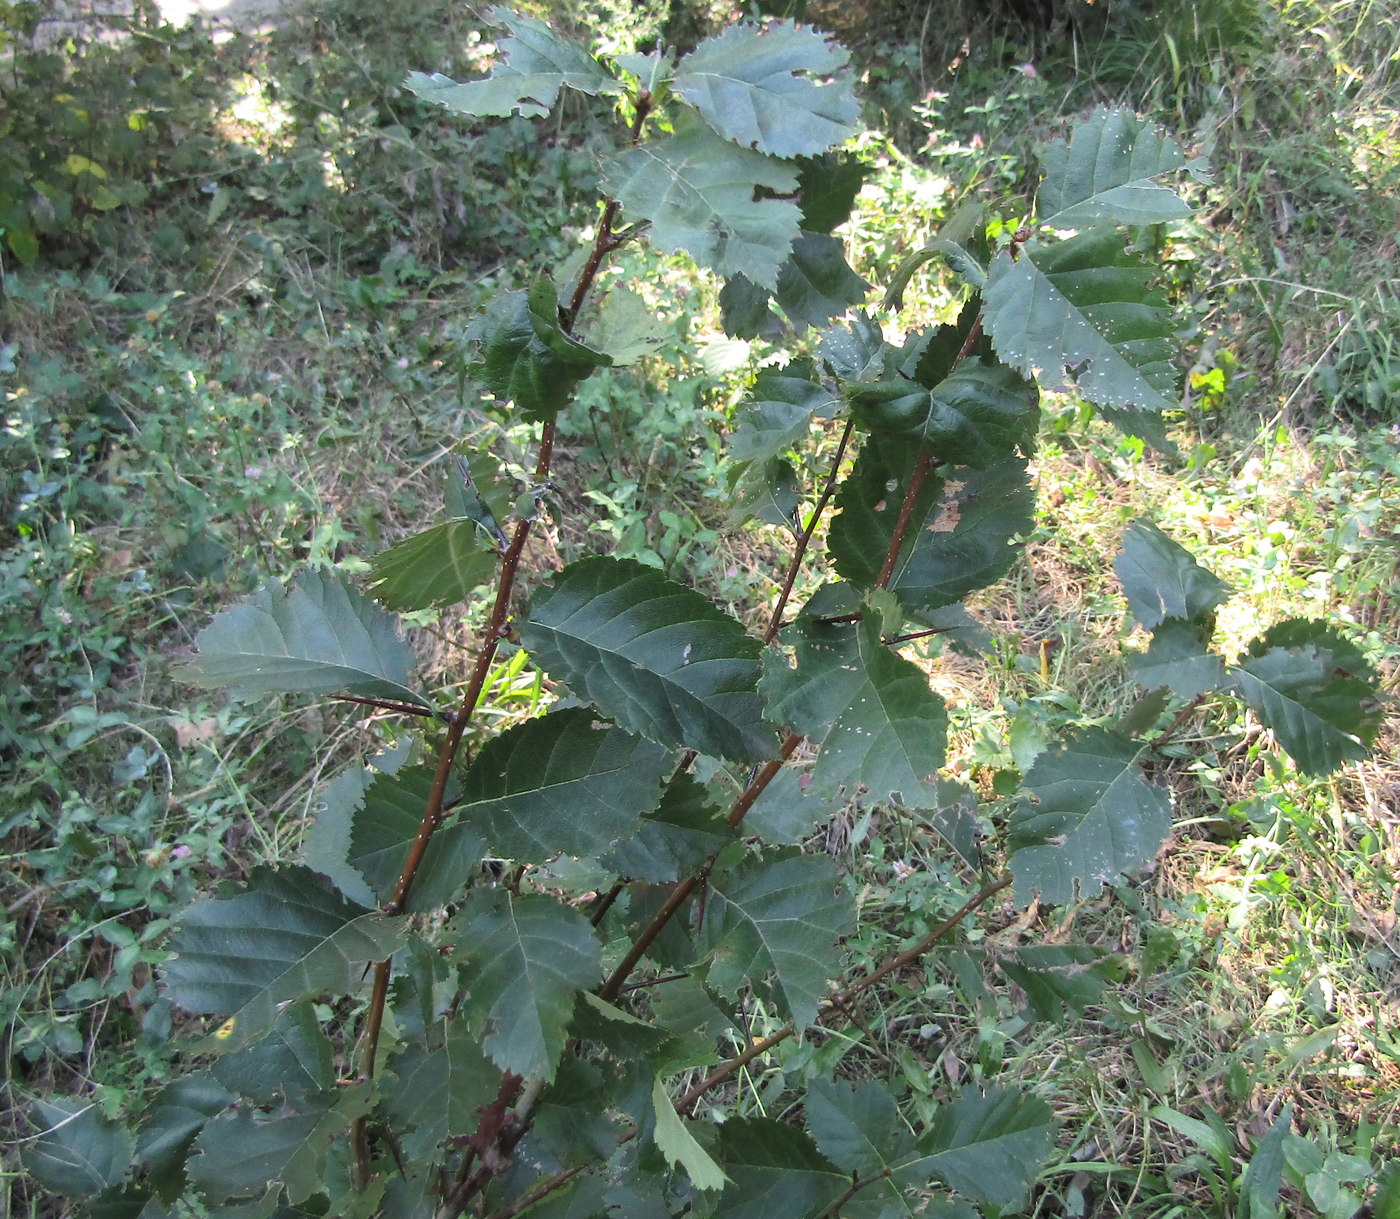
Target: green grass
{"x":255,"y":364}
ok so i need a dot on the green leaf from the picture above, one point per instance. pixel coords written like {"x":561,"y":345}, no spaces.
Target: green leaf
{"x":293,"y":1060}
{"x":1385,"y":1202}
{"x":778,"y":412}
{"x":535,"y":64}
{"x":441,"y":1088}
{"x":827,"y":188}
{"x":577,"y":1118}
{"x":1108,"y":170}
{"x":855,"y":1126}
{"x":1087,"y":816}
{"x":626,"y":1037}
{"x":928,"y":357}
{"x":623,"y":326}
{"x":542,"y":299}
{"x":440,"y":566}
{"x":775,"y":1169}
{"x":743,"y":308}
{"x":130,"y":1201}
{"x":475,"y":487}
{"x":779,"y":915}
{"x":957,"y":820}
{"x":768,"y":492}
{"x":960,"y":534}
{"x":524,"y":355}
{"x":871,"y":712}
{"x":655,"y":656}
{"x":1212,"y":1136}
{"x":169,"y":1128}
{"x":565,"y":783}
{"x":963,"y":243}
{"x":754,"y":85}
{"x":857,"y":351}
{"x":326,"y":846}
{"x":698,"y":192}
{"x":79,"y":1151}
{"x":1162,"y":580}
{"x":386,"y":825}
{"x":1146,"y":710}
{"x":523,"y":960}
{"x":1059,"y":976}
{"x":1077,"y":314}
{"x":990,"y":1146}
{"x":1177,"y":659}
{"x":240,"y":1153}
{"x":23,"y":243}
{"x":1314,"y":690}
{"x":678,"y":1145}
{"x":674,"y":840}
{"x":980,"y":414}
{"x":319,"y":636}
{"x":817,"y":283}
{"x":1263,"y":1175}
{"x":653,"y":70}
{"x":288,"y":936}
{"x":785,"y":814}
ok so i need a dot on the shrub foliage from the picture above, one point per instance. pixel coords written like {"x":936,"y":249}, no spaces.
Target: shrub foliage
{"x":529,"y":976}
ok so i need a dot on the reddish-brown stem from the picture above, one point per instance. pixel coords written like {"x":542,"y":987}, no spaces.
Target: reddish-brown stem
{"x":857,"y":1184}
{"x":909,"y":955}
{"x":603,"y":245}
{"x":542,"y":1190}
{"x":973,"y":337}
{"x":674,"y":902}
{"x":650,"y":982}
{"x":496,"y":630}
{"x":727,"y":1068}
{"x":853,"y":616}
{"x":605,"y":242}
{"x":906,"y":511}
{"x":926,"y":462}
{"x":605,"y":903}
{"x":805,"y":538}
{"x":1178,"y":722}
{"x":684,"y":888}
{"x":387,"y":705}
{"x":766,"y":774}
{"x":433,"y":810}
{"x":913,"y":635}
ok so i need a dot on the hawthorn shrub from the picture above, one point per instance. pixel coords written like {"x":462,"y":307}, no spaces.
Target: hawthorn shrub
{"x":527,"y":975}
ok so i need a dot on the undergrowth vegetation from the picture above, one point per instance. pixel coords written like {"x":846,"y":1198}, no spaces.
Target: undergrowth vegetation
{"x":242,"y":283}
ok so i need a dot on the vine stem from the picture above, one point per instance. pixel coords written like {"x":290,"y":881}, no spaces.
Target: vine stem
{"x":540,"y":1192}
